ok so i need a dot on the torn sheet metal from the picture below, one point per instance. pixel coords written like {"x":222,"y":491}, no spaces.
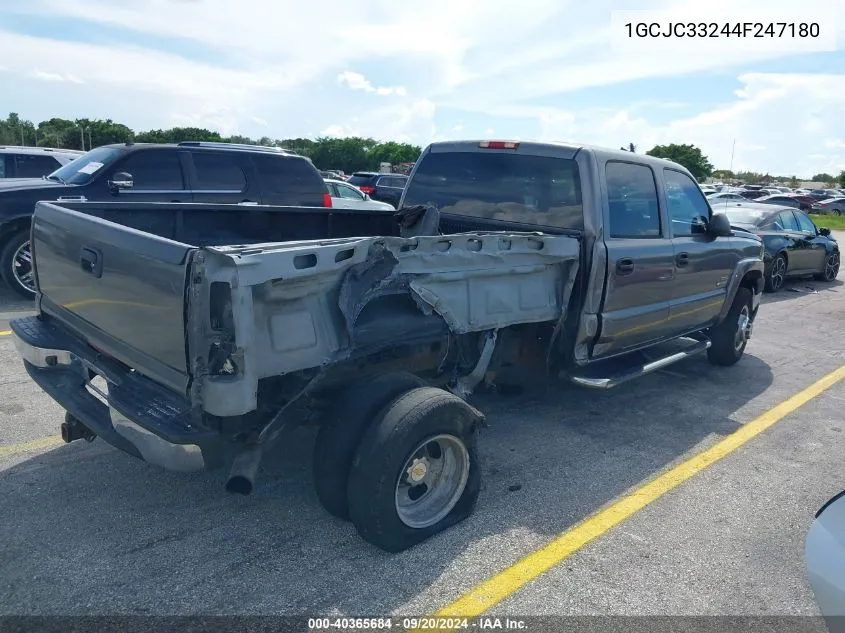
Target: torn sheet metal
{"x":298,"y":303}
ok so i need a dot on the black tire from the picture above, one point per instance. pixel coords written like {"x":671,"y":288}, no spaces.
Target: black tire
{"x":831,"y":268}
{"x":409,"y":422}
{"x":7,"y":268}
{"x":726,"y":349}
{"x":344,"y":425}
{"x":776,"y":276}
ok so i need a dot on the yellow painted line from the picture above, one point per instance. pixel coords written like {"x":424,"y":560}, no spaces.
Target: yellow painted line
{"x":30,"y":447}
{"x":5,"y":332}
{"x":507,"y":582}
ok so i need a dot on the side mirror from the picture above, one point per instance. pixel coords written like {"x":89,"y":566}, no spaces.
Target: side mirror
{"x":825,"y":232}
{"x":719,"y":226}
{"x":121,"y":180}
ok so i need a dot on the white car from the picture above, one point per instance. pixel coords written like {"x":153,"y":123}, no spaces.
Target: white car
{"x":346,"y":196}
{"x":825,"y":558}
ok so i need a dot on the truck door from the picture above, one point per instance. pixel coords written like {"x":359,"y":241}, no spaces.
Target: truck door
{"x":703,"y":264}
{"x":640,"y":262}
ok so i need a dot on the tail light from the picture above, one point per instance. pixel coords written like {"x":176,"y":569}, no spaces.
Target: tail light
{"x":327,"y":200}
{"x":367,"y":190}
{"x":498,"y":144}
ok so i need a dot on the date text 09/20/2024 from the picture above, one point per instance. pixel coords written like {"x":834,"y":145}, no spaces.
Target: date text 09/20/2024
{"x":790,"y":30}
{"x":432,"y":623}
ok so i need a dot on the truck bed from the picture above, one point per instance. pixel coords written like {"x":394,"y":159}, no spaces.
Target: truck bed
{"x":265,"y":293}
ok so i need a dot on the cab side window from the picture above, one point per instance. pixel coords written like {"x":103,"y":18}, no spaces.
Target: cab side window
{"x":688,"y":208}
{"x":632,"y":200}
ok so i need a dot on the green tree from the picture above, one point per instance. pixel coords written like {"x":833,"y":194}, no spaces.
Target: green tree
{"x":723,"y":174}
{"x":822,"y":177}
{"x":687,"y":155}
{"x":841,"y":179}
{"x":793,"y":182}
{"x":179,"y":134}
{"x":17,"y":131}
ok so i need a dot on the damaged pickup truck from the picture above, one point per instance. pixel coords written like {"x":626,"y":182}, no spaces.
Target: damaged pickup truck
{"x":194,"y":336}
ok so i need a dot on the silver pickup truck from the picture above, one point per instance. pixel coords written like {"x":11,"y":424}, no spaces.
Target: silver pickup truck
{"x":194,"y":336}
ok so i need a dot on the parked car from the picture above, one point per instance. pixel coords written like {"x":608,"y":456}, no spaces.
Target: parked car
{"x":824,"y":555}
{"x":794,"y":246}
{"x":537,"y":259}
{"x":346,"y":196}
{"x":753,"y":194}
{"x":33,"y":162}
{"x":832,"y":206}
{"x":724,"y":196}
{"x":820,"y":194}
{"x":780,"y":199}
{"x":383,"y":187}
{"x":191,"y":171}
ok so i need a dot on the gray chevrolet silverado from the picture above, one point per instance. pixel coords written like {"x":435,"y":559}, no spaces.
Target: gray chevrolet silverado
{"x":194,"y":336}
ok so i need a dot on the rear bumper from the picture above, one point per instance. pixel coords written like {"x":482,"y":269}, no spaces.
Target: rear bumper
{"x":132,"y":413}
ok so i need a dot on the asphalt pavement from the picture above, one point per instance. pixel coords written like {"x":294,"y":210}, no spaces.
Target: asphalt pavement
{"x":87,"y":529}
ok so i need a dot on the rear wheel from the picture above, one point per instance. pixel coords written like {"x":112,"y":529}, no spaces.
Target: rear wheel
{"x":344,"y":425}
{"x":730,"y":337}
{"x":416,"y":471}
{"x":777,"y":273}
{"x":831,"y":268}
{"x":16,"y":266}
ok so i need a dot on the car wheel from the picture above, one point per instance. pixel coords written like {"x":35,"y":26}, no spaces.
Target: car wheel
{"x":351,"y":413}
{"x":16,"y":266}
{"x":836,"y":212}
{"x":831,"y":268}
{"x":777,"y":273}
{"x":416,"y":471}
{"x":729,"y":339}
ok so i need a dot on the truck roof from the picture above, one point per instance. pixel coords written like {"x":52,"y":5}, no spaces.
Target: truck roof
{"x":553,"y":148}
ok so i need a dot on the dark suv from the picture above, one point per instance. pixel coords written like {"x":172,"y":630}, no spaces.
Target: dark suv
{"x":383,"y":187}
{"x":191,"y":171}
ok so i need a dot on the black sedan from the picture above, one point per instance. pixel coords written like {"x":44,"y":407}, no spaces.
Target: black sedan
{"x":794,"y":246}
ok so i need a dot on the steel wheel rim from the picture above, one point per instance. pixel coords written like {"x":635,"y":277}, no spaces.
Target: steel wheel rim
{"x":22,"y":269}
{"x":431,"y":481}
{"x":831,"y":269}
{"x":743,"y":327}
{"x":778,"y":270}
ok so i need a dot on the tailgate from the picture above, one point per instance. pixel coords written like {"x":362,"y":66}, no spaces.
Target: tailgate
{"x":120,"y":288}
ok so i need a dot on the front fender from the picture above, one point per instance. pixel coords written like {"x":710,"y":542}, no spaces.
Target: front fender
{"x":745,"y":269}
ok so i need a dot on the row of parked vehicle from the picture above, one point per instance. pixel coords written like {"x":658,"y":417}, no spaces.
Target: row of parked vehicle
{"x":818,"y":201}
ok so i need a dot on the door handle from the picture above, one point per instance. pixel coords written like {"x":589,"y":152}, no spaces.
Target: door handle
{"x":624,"y":266}
{"x":91,"y":262}
{"x":682,"y":259}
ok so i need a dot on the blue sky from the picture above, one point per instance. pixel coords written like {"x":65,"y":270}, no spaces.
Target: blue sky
{"x":418,"y":72}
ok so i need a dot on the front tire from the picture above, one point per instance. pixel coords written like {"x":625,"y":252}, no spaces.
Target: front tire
{"x":16,"y":266}
{"x":777,"y":273}
{"x":730,"y":337}
{"x":416,"y":471}
{"x":831,"y":268}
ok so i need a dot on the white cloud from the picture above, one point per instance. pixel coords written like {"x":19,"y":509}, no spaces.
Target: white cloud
{"x":794,"y":113}
{"x":61,"y":77}
{"x":444,"y":68}
{"x":357,"y":81}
